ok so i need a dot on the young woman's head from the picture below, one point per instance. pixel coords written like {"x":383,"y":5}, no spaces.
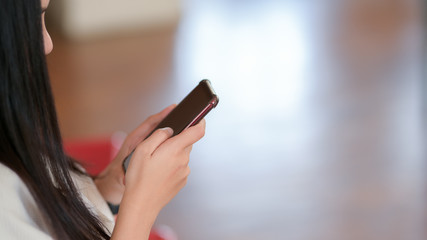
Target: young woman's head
{"x":30,"y":142}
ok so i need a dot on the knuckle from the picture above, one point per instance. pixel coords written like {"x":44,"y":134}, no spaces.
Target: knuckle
{"x":184,"y":181}
{"x":187,"y":171}
{"x":183,"y":166}
{"x":142,"y":149}
{"x":201,"y":132}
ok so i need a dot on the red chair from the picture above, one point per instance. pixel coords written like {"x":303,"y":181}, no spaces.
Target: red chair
{"x":95,"y":155}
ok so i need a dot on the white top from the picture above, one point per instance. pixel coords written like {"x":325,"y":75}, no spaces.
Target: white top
{"x":20,"y":217}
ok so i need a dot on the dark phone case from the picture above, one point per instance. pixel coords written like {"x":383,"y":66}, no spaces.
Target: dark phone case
{"x":188,"y":112}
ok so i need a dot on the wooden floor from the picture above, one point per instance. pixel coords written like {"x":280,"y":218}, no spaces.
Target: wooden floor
{"x":319,"y":131}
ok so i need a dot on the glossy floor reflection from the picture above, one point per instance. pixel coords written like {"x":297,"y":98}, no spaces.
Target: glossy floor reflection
{"x":318,"y":133}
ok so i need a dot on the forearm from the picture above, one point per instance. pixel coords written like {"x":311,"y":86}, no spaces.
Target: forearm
{"x":135,"y":219}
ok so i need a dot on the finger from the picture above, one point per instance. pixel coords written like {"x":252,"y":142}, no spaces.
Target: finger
{"x":156,"y":118}
{"x":141,"y":132}
{"x":149,"y":145}
{"x":151,"y":122}
{"x":191,"y":135}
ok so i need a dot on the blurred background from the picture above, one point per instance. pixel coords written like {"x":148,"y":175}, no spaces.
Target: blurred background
{"x":319,"y":133}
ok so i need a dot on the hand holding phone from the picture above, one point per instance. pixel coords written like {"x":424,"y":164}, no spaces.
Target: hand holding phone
{"x":193,"y":108}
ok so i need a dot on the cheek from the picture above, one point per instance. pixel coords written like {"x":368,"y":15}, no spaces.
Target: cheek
{"x":48,"y":45}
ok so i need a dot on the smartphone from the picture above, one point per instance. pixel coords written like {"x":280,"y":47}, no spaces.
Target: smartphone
{"x":193,"y":108}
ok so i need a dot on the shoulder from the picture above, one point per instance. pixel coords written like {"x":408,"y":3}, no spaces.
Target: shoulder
{"x":93,"y":199}
{"x":12,"y":189}
{"x":20,"y":216}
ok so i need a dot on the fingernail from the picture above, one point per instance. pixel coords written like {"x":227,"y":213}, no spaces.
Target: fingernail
{"x":168,"y":130}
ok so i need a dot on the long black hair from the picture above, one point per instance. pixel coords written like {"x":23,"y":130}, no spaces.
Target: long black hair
{"x":30,"y":140}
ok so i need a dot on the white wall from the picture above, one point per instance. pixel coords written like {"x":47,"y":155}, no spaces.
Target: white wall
{"x":87,"y":18}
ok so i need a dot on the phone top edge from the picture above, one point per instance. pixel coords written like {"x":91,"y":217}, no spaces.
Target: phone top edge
{"x":214,"y":101}
{"x":208,"y":84}
{"x":215,"y":98}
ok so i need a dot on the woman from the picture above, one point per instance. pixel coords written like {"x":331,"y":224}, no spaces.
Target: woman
{"x":44,"y":194}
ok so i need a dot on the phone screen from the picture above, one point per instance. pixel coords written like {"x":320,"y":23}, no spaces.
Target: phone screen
{"x":191,"y":109}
